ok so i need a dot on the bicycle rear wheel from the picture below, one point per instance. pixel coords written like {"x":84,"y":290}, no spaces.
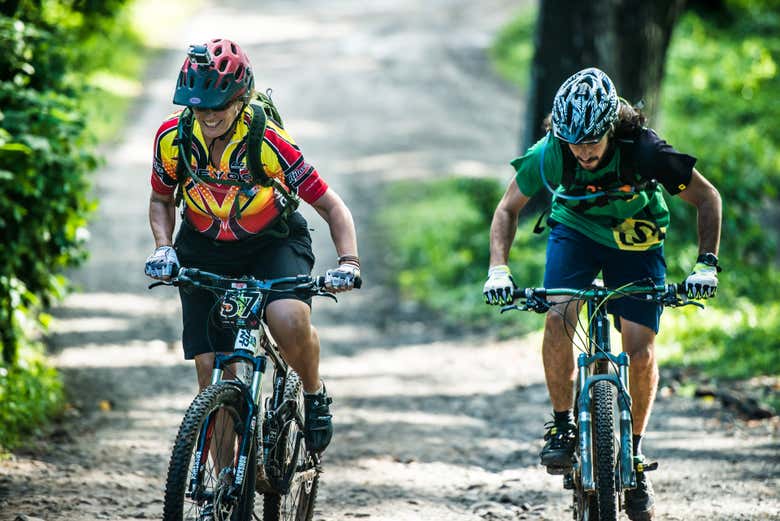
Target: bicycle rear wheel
{"x":294,"y":498}
{"x":222,"y":409}
{"x":603,"y":429}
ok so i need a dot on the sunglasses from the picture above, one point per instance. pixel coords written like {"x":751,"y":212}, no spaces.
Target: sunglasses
{"x":589,"y":141}
{"x":221,"y":108}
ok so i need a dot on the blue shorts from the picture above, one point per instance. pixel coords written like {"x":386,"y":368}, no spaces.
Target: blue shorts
{"x":574,"y":260}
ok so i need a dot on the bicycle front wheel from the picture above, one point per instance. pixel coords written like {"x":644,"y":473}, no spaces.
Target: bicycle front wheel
{"x":603,"y":428}
{"x":290,"y":467}
{"x":205,"y":460}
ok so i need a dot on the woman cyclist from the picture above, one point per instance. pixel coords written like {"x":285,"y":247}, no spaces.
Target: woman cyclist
{"x":237,"y":225}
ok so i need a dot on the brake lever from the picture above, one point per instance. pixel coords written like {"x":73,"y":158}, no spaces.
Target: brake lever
{"x":327,"y":294}
{"x":686,"y":302}
{"x":513,"y":307}
{"x":162,"y":283}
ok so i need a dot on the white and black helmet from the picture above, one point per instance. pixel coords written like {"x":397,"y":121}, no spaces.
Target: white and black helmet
{"x":585,"y":107}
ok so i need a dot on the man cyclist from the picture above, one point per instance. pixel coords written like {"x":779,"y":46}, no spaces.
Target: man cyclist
{"x":598,"y":143}
{"x":234,"y":225}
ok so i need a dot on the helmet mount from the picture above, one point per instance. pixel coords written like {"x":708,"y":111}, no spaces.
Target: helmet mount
{"x":199,"y":55}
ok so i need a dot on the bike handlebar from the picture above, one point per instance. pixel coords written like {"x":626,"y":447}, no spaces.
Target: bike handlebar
{"x":303,"y":285}
{"x":535,"y":299}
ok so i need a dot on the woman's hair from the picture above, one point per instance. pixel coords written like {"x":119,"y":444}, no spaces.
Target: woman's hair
{"x":630,"y":118}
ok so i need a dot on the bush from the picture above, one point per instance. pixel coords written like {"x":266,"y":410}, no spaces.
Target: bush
{"x":737,"y":343}
{"x":30,"y":393}
{"x":52,"y":51}
{"x":719,"y":102}
{"x":438,"y":232}
{"x":43,"y":184}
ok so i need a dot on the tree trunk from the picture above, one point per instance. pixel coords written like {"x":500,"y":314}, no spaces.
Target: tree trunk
{"x":627,"y":39}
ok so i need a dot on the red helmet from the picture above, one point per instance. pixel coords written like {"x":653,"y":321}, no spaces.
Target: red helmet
{"x":213,"y":75}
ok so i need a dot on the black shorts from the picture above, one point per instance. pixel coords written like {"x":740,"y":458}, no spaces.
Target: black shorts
{"x":263,"y":257}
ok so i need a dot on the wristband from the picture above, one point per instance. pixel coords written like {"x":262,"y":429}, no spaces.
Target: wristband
{"x":350,"y":259}
{"x":708,"y":259}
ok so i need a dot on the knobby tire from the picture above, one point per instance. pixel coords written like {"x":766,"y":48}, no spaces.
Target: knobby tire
{"x":177,"y":507}
{"x":604,"y":447}
{"x":298,"y":503}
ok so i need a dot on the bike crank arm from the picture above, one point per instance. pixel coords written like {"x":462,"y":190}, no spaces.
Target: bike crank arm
{"x":305,"y":476}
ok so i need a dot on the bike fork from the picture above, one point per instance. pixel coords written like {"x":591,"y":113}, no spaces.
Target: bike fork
{"x":627,"y":473}
{"x":584,"y":426}
{"x":627,"y":476}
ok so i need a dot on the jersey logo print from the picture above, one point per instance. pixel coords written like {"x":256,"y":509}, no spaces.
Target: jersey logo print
{"x":638,"y":235}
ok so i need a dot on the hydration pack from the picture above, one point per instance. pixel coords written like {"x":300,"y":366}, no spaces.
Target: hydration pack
{"x":263,"y":109}
{"x":625,"y":181}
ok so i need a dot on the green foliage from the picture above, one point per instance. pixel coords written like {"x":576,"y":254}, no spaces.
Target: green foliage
{"x":52,"y":81}
{"x":438,"y":232}
{"x":513,"y":49}
{"x":719,"y":103}
{"x":30,"y":393}
{"x":53,"y":50}
{"x":43,"y":184}
{"x":737,"y":343}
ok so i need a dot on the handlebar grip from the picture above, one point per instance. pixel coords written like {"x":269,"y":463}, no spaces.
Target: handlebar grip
{"x":320,"y":282}
{"x":529,"y":292}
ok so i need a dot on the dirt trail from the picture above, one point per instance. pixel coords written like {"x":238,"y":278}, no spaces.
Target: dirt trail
{"x":425,"y":430}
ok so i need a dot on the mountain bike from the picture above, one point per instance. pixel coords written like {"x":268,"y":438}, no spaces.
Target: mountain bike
{"x":228,"y":446}
{"x":603,"y":462}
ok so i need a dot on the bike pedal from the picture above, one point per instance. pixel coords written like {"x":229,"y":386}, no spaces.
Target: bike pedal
{"x":557,"y":471}
{"x":647,"y":467}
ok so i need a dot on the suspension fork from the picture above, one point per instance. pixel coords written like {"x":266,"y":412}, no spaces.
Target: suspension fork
{"x":592,"y":367}
{"x":600,"y":357}
{"x":251,"y":393}
{"x":627,"y":473}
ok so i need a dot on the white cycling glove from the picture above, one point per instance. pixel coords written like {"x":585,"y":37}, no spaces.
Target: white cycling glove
{"x":703,"y":280}
{"x":499,"y":286}
{"x":342,"y":278}
{"x":162,"y":264}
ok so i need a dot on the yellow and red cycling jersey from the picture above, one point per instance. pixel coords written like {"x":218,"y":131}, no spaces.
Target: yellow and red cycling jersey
{"x":210,"y":207}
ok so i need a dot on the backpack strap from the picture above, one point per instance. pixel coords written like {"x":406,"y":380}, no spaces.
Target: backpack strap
{"x":260,"y":115}
{"x":254,"y":145}
{"x":184,"y":142}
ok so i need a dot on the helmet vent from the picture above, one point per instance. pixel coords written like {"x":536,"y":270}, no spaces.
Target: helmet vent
{"x":240,"y":72}
{"x":233,"y":48}
{"x":223,"y":65}
{"x":584,"y":107}
{"x":191,"y":80}
{"x":207,"y":84}
{"x":217,"y":51}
